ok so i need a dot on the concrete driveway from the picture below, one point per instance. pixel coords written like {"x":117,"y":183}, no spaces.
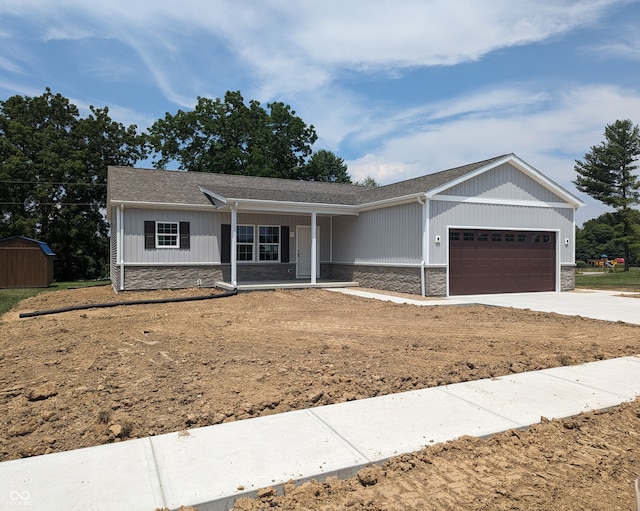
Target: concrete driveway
{"x":605,"y":305}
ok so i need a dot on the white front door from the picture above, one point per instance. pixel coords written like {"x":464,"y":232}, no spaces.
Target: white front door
{"x":303,"y":251}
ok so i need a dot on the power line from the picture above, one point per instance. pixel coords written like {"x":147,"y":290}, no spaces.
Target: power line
{"x":51,"y":183}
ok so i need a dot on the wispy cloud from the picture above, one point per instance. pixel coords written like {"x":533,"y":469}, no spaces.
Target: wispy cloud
{"x":572,"y":121}
{"x":295,"y":46}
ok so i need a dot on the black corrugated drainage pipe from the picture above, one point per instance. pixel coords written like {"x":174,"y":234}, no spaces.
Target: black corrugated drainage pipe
{"x":131,"y":302}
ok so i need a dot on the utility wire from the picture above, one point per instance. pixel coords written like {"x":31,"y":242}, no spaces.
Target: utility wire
{"x":51,"y":183}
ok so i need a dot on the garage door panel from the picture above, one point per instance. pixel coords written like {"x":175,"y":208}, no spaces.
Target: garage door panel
{"x":486,"y":261}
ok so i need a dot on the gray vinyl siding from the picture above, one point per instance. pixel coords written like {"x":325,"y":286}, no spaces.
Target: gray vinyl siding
{"x":292,"y":221}
{"x":503,"y":182}
{"x":385,"y":236}
{"x":204,"y":229}
{"x":445,"y":214}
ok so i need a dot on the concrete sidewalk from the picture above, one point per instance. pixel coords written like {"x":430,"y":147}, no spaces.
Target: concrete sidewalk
{"x":212,"y":466}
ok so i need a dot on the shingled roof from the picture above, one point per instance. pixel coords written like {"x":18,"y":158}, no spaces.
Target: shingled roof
{"x":152,"y":186}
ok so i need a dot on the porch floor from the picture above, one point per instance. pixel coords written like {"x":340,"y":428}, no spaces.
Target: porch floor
{"x":284,"y":284}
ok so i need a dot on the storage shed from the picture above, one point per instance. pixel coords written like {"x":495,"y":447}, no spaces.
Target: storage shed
{"x":25,"y":262}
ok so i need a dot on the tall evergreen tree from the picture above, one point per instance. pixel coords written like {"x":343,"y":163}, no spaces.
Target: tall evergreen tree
{"x":53,"y":174}
{"x":607,"y":174}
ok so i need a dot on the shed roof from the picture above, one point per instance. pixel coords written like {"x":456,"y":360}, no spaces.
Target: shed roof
{"x":41,"y":244}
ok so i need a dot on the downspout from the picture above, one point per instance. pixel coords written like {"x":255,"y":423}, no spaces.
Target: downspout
{"x":425,"y":243}
{"x":120,"y":249}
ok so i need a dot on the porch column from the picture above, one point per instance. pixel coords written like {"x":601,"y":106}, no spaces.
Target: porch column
{"x":120,"y":243}
{"x":314,"y":243}
{"x":234,"y":235}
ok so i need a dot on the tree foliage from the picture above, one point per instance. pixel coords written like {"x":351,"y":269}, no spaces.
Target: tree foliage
{"x":324,"y":165}
{"x":607,"y":174}
{"x":229,"y":137}
{"x":368,"y":181}
{"x":598,"y":236}
{"x":53,"y":173}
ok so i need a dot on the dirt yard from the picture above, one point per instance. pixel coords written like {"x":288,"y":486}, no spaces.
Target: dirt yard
{"x":97,"y":376}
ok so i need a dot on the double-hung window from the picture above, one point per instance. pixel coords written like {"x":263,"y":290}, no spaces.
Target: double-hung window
{"x":244,"y":243}
{"x":269,"y":242}
{"x":167,"y":234}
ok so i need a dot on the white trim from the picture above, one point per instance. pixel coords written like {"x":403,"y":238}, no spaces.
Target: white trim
{"x":394,"y":201}
{"x":208,"y":263}
{"x":177,"y":235}
{"x":398,"y":265}
{"x":501,"y":202}
{"x":271,"y":206}
{"x":161,"y":205}
{"x":214,"y":195}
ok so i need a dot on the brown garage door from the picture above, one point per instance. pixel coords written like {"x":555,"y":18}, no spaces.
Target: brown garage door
{"x":486,"y":261}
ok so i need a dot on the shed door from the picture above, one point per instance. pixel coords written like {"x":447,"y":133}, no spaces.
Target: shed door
{"x":488,"y":261}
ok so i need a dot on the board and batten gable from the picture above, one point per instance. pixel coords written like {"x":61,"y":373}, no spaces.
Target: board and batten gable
{"x":504,"y":182}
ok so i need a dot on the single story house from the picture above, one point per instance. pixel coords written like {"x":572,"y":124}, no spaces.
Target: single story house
{"x":494,"y":226}
{"x":25,"y":262}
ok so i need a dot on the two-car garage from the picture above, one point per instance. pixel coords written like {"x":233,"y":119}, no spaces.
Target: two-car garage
{"x":501,"y":261}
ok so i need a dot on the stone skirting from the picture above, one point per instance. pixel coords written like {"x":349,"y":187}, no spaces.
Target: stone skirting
{"x":567,"y":278}
{"x":386,"y":278}
{"x":436,"y":281}
{"x":170,"y":277}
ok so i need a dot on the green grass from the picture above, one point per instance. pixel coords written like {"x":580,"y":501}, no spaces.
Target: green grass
{"x":616,"y":279}
{"x":9,"y":298}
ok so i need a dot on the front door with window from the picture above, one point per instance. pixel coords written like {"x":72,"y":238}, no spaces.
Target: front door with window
{"x":303,"y":251}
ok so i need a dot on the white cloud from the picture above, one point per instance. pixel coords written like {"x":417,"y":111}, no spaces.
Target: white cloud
{"x":550,"y":138}
{"x":293,"y":47}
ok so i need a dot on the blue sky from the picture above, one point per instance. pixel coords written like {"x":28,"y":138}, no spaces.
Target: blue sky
{"x":397,"y":88}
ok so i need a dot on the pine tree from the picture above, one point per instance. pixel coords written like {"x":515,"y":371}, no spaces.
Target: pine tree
{"x":607,"y":174}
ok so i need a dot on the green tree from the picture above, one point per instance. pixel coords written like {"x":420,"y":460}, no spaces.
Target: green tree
{"x":53,"y":173}
{"x":368,"y":181}
{"x":324,"y":165}
{"x":607,"y":174}
{"x":229,"y":137}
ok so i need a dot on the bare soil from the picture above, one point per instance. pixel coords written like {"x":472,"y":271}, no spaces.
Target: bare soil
{"x":104,"y":375}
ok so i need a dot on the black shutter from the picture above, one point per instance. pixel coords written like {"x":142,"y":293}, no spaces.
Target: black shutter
{"x":149,"y":234}
{"x":284,"y":244}
{"x":185,"y":238}
{"x":225,"y":243}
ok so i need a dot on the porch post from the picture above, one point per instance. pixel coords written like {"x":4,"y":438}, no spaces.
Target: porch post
{"x":314,"y":242}
{"x":120,"y":242}
{"x":234,"y":235}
